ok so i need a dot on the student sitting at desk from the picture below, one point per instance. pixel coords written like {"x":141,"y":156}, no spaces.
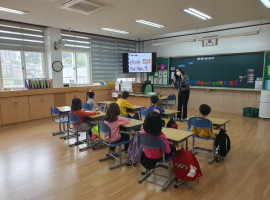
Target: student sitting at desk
{"x":91,"y":100}
{"x":204,"y":111}
{"x":154,"y":107}
{"x":76,"y":108}
{"x":124,"y":104}
{"x":114,"y":121}
{"x":153,"y":125}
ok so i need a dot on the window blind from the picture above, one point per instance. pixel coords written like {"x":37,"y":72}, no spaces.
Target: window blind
{"x":124,"y":47}
{"x":104,"y":59}
{"x":76,"y":41}
{"x":16,"y":36}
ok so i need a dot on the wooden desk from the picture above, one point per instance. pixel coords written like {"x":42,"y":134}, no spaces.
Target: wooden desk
{"x":219,"y":122}
{"x":64,"y":109}
{"x":170,"y":113}
{"x":135,"y":108}
{"x":177,"y":136}
{"x":132,"y":125}
{"x":97,"y":117}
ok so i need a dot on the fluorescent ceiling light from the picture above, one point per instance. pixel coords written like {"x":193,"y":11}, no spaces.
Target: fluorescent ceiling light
{"x":168,"y":43}
{"x":12,"y":11}
{"x":231,"y":35}
{"x":197,"y":13}
{"x":266,"y":3}
{"x":149,"y":23}
{"x":114,"y":30}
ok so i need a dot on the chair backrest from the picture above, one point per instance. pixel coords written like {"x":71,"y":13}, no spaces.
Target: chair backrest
{"x":86,"y":106}
{"x":55,"y":111}
{"x":143,"y":112}
{"x":171,"y":97}
{"x":200,"y":122}
{"x":152,"y":142}
{"x":104,"y":129}
{"x":73,"y":118}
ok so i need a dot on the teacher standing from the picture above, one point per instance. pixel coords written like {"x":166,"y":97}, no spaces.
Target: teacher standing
{"x":181,"y":82}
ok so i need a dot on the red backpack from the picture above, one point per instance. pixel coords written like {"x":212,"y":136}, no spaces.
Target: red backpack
{"x":186,"y":166}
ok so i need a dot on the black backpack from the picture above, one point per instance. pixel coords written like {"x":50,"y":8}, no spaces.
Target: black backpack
{"x":222,"y":143}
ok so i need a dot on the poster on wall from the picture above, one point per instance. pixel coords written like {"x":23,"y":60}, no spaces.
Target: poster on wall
{"x":161,"y":76}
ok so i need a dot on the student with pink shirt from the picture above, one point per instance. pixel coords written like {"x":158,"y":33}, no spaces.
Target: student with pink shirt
{"x":153,"y":125}
{"x":114,"y":121}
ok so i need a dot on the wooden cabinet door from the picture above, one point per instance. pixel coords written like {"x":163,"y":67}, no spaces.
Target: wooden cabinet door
{"x":106,"y":95}
{"x":35,"y":106}
{"x":72,"y":95}
{"x":8,"y":110}
{"x":0,"y":113}
{"x":22,"y":109}
{"x":98,"y":96}
{"x":47,"y":103}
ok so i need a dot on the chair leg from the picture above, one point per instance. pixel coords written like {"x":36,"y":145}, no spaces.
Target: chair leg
{"x":77,"y":140}
{"x":59,"y":132}
{"x":170,"y":177}
{"x":146,"y":175}
{"x":120,"y":160}
{"x":193,"y":144}
{"x":213,"y":154}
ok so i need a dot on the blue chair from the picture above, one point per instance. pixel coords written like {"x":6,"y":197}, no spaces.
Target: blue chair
{"x":86,"y":106}
{"x":170,"y":101}
{"x":59,"y":118}
{"x":200,"y":122}
{"x":143,"y":112}
{"x":154,"y":142}
{"x":105,"y":129}
{"x":73,"y":118}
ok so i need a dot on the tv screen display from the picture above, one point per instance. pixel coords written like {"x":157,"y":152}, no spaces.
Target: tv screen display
{"x":139,"y":62}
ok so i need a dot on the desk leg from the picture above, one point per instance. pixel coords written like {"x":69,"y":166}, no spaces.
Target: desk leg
{"x":187,"y":144}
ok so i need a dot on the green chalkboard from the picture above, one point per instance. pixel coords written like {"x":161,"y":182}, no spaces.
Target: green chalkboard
{"x":237,"y":70}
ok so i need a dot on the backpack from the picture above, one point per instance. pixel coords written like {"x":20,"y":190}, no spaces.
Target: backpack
{"x":185,"y":166}
{"x":94,"y":131}
{"x":222,"y":143}
{"x":172,"y":124}
{"x":134,"y":151}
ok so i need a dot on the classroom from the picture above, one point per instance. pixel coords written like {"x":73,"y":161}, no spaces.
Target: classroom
{"x":55,"y":51}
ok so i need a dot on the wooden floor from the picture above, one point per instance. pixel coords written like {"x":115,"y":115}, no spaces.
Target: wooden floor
{"x":36,"y":165}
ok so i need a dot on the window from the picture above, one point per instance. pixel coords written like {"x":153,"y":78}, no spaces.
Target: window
{"x":34,"y":65}
{"x":13,"y":71}
{"x":76,"y":67}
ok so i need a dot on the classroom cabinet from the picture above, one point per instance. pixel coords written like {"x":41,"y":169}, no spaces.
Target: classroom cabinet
{"x":14,"y":109}
{"x":40,"y":105}
{"x":72,"y":95}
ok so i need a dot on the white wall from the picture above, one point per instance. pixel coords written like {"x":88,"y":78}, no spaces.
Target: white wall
{"x":232,"y":45}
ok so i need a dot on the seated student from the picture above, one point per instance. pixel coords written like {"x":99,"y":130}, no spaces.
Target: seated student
{"x":91,"y":100}
{"x":114,"y":121}
{"x":76,"y":108}
{"x":153,"y":125}
{"x":124,"y":104}
{"x":154,"y":107}
{"x":204,"y":111}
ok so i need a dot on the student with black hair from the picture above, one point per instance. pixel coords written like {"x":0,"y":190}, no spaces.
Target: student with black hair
{"x":153,"y":126}
{"x":154,"y":107}
{"x":124,"y":104}
{"x":181,"y":82}
{"x":76,"y":108}
{"x":204,"y":111}
{"x":91,"y":100}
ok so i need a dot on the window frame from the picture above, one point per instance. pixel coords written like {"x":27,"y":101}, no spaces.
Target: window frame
{"x":74,"y":63}
{"x":23,"y":62}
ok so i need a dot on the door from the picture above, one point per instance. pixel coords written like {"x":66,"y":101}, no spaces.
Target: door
{"x":35,"y":103}
{"x":48,"y":102}
{"x":8,"y":110}
{"x":22,"y":109}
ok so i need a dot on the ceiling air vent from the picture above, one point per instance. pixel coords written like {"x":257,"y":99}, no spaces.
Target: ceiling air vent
{"x":83,"y":6}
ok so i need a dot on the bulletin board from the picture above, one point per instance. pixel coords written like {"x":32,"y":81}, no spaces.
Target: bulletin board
{"x":161,"y":76}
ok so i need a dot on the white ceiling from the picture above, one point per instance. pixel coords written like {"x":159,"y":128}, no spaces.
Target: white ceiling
{"x":123,"y":13}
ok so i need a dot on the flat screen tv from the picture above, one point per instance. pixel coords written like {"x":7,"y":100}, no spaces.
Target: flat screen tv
{"x":139,"y":62}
